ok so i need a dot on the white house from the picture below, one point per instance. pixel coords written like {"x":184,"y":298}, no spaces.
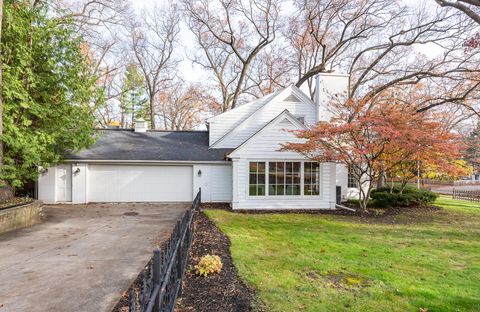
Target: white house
{"x":238,"y":160}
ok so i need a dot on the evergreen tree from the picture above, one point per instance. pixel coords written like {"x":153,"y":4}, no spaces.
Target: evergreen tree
{"x":47,"y":89}
{"x":133,"y":99}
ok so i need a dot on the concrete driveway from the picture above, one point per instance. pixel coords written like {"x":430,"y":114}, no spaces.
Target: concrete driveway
{"x":83,"y":257}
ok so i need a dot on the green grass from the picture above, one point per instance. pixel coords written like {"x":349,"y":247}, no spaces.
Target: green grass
{"x":300,"y":262}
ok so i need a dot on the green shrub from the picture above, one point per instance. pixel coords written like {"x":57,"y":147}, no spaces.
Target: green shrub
{"x":410,"y":197}
{"x":208,"y":264}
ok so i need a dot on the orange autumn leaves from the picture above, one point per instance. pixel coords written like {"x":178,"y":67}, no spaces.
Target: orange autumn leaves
{"x":387,"y":135}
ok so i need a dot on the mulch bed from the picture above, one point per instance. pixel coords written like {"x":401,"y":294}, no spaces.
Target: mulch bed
{"x":224,"y":291}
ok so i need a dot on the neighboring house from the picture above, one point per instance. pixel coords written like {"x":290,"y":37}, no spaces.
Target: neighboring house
{"x":238,"y":160}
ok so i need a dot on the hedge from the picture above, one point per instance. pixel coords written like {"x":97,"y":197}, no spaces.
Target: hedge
{"x":410,"y":197}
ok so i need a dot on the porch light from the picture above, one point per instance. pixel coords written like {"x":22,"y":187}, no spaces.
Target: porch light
{"x":76,"y":171}
{"x":199,"y":173}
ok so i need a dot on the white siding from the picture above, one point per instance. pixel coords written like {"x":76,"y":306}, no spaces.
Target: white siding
{"x":47,"y":186}
{"x":215,"y":182}
{"x":221,"y":184}
{"x":265,"y":146}
{"x":225,"y":122}
{"x":79,"y":183}
{"x":263,"y":116}
{"x":63,"y":183}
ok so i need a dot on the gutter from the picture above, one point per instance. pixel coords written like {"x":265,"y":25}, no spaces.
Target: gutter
{"x":118,"y":161}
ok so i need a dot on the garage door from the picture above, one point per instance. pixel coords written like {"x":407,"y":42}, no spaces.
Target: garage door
{"x":117,"y":183}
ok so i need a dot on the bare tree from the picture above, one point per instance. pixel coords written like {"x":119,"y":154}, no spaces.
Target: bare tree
{"x":378,"y":43}
{"x":231,"y":34}
{"x":270,"y":71}
{"x":153,"y":42}
{"x":469,"y":7}
{"x":99,"y":24}
{"x":183,"y":106}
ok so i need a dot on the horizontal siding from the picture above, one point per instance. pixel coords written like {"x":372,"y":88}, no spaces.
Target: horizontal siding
{"x":268,"y":143}
{"x":265,"y":147}
{"x":225,"y":122}
{"x":262,"y":117}
{"x":221,"y":183}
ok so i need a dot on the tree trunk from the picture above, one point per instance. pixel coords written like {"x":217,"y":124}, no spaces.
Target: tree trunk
{"x":152,"y":114}
{"x":381,"y":179}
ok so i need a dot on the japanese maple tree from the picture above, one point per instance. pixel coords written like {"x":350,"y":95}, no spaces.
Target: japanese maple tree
{"x":376,"y":137}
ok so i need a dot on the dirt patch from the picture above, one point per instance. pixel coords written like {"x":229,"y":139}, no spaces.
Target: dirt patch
{"x":131,"y":213}
{"x":224,"y":291}
{"x":340,"y":280}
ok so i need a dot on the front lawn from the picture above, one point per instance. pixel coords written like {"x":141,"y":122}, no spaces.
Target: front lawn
{"x":412,"y":261}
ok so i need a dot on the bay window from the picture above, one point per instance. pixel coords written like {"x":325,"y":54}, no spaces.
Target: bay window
{"x":284,"y":178}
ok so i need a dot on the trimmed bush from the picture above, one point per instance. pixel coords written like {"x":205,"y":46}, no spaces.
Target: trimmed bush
{"x":410,"y":197}
{"x":208,"y":265}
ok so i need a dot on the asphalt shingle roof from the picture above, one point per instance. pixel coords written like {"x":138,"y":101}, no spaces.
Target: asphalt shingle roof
{"x":116,"y":144}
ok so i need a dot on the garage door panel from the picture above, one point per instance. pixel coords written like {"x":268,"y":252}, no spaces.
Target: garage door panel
{"x":116,"y":183}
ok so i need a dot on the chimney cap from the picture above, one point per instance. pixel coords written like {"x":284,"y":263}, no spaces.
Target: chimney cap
{"x":140,"y":125}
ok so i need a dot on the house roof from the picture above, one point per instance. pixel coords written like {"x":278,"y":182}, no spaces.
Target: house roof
{"x":123,"y":144}
{"x":279,"y":95}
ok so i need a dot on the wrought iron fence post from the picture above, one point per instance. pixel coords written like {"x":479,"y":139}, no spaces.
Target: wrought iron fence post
{"x":132,"y":305}
{"x":156,"y":276}
{"x":179,"y":259}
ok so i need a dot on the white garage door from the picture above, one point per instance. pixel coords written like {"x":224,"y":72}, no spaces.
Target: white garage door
{"x":118,"y":183}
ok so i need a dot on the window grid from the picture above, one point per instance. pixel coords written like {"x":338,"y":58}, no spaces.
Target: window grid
{"x":351,"y":181}
{"x":311,"y":178}
{"x":256,"y":179}
{"x":284,"y":178}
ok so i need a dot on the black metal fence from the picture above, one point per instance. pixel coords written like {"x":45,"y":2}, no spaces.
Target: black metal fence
{"x":161,"y":281}
{"x":466,"y":195}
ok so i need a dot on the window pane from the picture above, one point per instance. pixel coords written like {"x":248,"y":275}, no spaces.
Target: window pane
{"x":307,"y":179}
{"x":261,"y":179}
{"x":272,"y":190}
{"x":280,"y":178}
{"x":296,"y":179}
{"x":253,"y":178}
{"x":261,"y":167}
{"x":296,"y":190}
{"x":253,"y":167}
{"x":280,"y":190}
{"x":253,"y":190}
{"x":296,"y":167}
{"x":272,"y":167}
{"x":288,"y":179}
{"x":289,"y":190}
{"x":288,"y":167}
{"x":261,"y":190}
{"x":280,"y":166}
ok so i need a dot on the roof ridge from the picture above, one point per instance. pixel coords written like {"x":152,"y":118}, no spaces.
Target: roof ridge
{"x":154,"y":130}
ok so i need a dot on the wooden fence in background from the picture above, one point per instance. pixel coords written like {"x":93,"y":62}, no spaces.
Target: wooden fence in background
{"x":466,"y":195}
